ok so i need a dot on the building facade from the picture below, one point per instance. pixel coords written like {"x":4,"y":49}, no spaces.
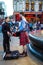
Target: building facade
{"x":28,"y":5}
{"x":2,"y":10}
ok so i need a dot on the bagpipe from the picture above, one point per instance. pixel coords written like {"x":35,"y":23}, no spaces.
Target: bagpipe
{"x":14,"y":29}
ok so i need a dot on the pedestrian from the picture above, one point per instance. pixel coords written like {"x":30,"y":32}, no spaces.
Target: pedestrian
{"x":31,"y":26}
{"x":38,"y":25}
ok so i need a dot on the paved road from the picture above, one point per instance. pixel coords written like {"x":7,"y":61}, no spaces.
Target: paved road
{"x":29,"y":60}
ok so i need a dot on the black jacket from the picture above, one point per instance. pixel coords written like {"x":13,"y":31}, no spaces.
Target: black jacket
{"x":5,"y":28}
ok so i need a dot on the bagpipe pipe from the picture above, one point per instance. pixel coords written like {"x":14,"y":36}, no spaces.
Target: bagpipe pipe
{"x":14,"y":29}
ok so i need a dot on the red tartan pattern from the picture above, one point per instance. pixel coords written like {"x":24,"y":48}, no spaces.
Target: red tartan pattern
{"x":24,"y":39}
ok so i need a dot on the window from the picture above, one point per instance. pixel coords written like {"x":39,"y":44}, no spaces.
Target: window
{"x":32,"y":6}
{"x":40,"y":6}
{"x":27,"y":6}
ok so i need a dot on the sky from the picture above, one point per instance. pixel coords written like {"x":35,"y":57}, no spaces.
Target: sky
{"x":9,"y":6}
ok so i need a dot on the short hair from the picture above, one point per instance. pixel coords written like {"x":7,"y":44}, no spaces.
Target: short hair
{"x":6,"y":18}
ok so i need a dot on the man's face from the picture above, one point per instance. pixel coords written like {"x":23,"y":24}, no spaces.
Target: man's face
{"x":8,"y":19}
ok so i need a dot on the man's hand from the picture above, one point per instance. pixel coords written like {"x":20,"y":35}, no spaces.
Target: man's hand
{"x":16,"y":28}
{"x":8,"y":33}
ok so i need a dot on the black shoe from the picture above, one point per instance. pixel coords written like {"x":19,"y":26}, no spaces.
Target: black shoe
{"x":25,"y":53}
{"x":8,"y":52}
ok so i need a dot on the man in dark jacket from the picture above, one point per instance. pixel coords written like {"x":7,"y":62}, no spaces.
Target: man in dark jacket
{"x":6,"y":35}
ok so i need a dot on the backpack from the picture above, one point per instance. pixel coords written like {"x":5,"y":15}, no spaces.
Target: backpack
{"x":12,"y":55}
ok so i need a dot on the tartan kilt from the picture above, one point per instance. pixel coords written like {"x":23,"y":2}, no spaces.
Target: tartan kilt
{"x":24,"y":39}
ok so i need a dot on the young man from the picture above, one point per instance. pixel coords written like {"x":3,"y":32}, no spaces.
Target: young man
{"x":6,"y":35}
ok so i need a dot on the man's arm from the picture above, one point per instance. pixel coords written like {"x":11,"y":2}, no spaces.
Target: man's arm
{"x":3,"y":29}
{"x":22,"y":26}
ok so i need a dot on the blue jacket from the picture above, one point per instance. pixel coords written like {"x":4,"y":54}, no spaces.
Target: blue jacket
{"x":23,"y":26}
